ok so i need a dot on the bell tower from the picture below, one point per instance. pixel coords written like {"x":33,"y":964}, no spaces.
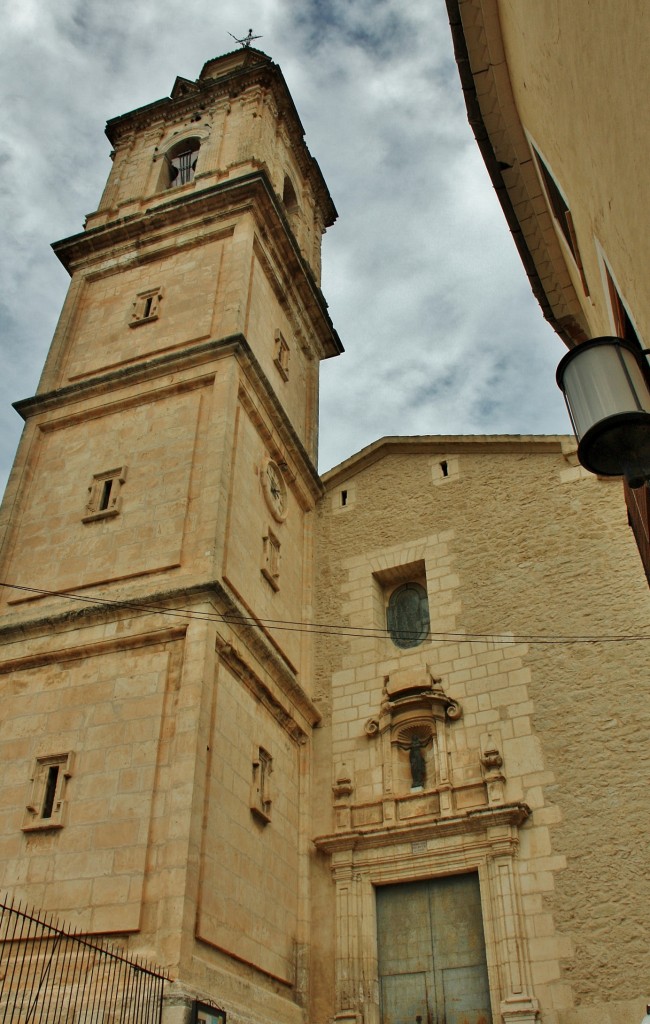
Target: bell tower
{"x":156,"y":542}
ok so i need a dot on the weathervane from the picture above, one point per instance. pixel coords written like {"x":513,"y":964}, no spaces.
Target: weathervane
{"x":247,"y":40}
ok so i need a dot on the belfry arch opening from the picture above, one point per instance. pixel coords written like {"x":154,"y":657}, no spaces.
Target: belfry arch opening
{"x":180,"y":163}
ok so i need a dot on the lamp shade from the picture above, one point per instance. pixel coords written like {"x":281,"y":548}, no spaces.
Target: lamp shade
{"x":605,"y":386}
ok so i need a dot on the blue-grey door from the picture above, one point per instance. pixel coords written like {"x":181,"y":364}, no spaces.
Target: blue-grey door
{"x":431,"y":952}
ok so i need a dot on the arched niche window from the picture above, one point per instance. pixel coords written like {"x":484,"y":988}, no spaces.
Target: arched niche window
{"x":407,"y":615}
{"x":180,"y":163}
{"x":289,"y":197}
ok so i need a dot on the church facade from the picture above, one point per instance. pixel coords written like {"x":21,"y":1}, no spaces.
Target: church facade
{"x":365,"y":748}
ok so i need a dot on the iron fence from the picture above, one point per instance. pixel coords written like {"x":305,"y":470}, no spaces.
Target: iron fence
{"x":50,"y":974}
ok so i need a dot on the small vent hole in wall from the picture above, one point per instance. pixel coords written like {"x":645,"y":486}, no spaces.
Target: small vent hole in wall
{"x":445,"y":468}
{"x":344,"y":497}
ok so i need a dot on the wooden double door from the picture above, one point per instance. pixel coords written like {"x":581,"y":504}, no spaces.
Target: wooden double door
{"x":431,"y":951}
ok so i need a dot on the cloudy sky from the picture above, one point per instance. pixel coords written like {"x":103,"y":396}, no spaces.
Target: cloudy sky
{"x":442,"y":334}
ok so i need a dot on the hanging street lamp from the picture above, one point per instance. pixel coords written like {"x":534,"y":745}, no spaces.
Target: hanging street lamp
{"x":606,"y":386}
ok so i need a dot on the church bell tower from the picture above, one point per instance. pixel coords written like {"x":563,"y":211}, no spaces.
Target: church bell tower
{"x":156,"y":541}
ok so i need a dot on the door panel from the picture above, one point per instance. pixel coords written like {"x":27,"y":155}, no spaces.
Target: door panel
{"x":466,"y":995}
{"x":404,"y":998}
{"x":456,"y":919}
{"x":430,"y":945}
{"x":404,"y":922}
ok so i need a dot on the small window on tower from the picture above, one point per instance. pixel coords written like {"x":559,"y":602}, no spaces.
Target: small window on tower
{"x":47,"y":792}
{"x":105,"y":499}
{"x":145,"y":307}
{"x":281,"y":357}
{"x":271,"y":559}
{"x":180,"y":163}
{"x":289,"y":195}
{"x":260,"y":801}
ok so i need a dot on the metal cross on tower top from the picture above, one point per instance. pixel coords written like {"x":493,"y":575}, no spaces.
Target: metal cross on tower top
{"x":247,"y":40}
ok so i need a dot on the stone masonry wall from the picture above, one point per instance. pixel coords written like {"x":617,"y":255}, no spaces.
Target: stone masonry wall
{"x":516,"y":545}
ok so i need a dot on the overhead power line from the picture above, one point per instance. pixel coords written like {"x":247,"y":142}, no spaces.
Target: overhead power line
{"x":501,"y":637}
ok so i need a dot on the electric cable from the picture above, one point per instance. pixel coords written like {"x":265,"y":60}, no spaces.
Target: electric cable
{"x":504,"y":637}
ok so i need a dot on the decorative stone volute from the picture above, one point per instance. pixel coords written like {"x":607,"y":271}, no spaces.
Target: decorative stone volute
{"x":414,"y":698}
{"x":412,"y":719}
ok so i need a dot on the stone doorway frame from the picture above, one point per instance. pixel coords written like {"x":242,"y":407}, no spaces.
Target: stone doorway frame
{"x":484,"y":841}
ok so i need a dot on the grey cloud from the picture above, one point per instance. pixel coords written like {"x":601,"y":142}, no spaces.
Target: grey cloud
{"x":424,"y":284}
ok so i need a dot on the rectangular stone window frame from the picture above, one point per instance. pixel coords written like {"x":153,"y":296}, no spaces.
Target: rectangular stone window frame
{"x":271,"y":559}
{"x":281,"y":356}
{"x":46,"y":804}
{"x":387,"y":581}
{"x":105,"y":495}
{"x":146,"y":307}
{"x":624,"y":326}
{"x":261,"y":796}
{"x":561,"y":213}
{"x":396,"y":575}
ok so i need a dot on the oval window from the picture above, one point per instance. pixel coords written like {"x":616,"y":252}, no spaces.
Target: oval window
{"x":407,"y":616}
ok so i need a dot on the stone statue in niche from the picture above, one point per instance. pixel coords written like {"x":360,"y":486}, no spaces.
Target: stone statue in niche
{"x":415,"y":747}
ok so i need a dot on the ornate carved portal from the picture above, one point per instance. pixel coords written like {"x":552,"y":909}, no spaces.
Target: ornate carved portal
{"x":485,"y":842}
{"x":437,"y":816}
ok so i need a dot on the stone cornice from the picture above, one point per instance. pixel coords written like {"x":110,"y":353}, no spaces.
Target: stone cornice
{"x":260,"y":71}
{"x":232,"y":196}
{"x":446,"y":444}
{"x":93,"y":609}
{"x":259,"y":642}
{"x":510,"y":815}
{"x":174,"y":362}
{"x":240,"y":666}
{"x":37,"y":660}
{"x":290,"y":439}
